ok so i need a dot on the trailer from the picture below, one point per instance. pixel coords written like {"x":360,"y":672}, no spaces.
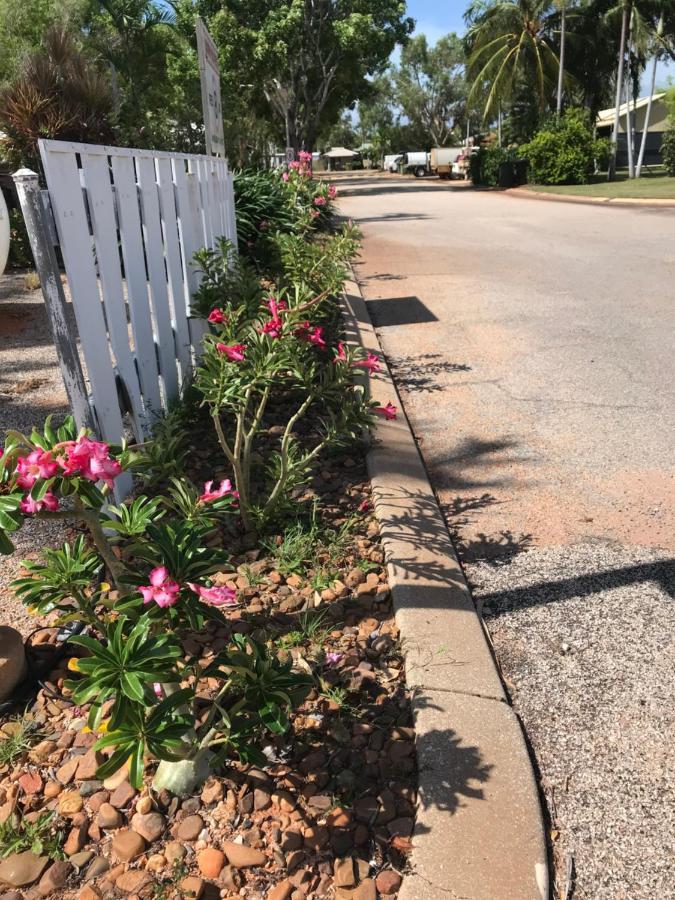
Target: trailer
{"x":443,"y":160}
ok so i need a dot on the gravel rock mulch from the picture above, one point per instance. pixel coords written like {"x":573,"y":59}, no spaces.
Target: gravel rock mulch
{"x":30,"y":389}
{"x":585,"y":639}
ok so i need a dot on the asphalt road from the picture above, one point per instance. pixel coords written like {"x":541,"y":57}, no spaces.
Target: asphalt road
{"x":532,"y":344}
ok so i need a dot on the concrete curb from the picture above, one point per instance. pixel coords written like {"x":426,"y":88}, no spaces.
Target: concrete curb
{"x":479,"y":833}
{"x":525,"y":193}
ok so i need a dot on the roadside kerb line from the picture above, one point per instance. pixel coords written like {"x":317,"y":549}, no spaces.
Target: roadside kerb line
{"x":479,"y":833}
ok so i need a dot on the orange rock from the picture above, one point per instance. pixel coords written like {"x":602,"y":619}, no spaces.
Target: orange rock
{"x":211,"y":862}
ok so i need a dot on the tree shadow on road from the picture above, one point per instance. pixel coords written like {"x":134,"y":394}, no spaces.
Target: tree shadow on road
{"x":419,"y":373}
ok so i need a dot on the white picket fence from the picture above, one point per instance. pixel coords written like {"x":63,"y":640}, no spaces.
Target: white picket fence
{"x":128,"y":223}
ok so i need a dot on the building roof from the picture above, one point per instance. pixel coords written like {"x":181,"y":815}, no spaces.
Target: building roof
{"x":606,"y":116}
{"x":337,"y":152}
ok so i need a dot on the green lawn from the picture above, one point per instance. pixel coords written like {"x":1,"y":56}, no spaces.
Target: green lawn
{"x":647,"y":187}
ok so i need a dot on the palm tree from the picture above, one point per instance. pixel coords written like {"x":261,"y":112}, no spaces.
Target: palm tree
{"x":561,"y":60}
{"x":509,"y":41}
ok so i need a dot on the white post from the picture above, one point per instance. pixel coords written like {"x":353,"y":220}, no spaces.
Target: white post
{"x":619,"y":87}
{"x":561,"y":61}
{"x":46,"y":265}
{"x":648,"y":112}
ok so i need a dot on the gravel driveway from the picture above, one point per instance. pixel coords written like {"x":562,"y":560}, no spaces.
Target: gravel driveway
{"x":30,"y":389}
{"x":532,"y":346}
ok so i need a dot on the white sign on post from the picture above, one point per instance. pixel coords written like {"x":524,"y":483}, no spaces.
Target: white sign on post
{"x":209,"y":71}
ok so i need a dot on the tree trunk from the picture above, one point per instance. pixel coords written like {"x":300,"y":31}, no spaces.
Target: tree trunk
{"x":648,"y":111}
{"x":561,"y":61}
{"x":182,"y":778}
{"x":611,"y":173}
{"x":629,"y":120}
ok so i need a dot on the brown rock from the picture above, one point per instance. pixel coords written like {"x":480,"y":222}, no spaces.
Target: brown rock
{"x":210,"y":862}
{"x":117,"y":778}
{"x":291,"y":840}
{"x":261,"y":799}
{"x":122,"y":795}
{"x":132,"y":881}
{"x":54,"y":878}
{"x":77,"y":838}
{"x":52,"y":789}
{"x":97,"y":800}
{"x":192,"y":887}
{"x":366,"y":809}
{"x":316,"y":838}
{"x":66,"y":772}
{"x":150,"y":826}
{"x":281,"y":891}
{"x":87,"y":766}
{"x":174,"y":851}
{"x":89,"y":892}
{"x":12,"y":660}
{"x":70,"y":803}
{"x":108,"y":817}
{"x":343,"y":872}
{"x":241,"y":856}
{"x":212,"y":792}
{"x":127,"y":845}
{"x":21,"y":869}
{"x":189,"y":829}
{"x":401,"y":827}
{"x":365,"y":891}
{"x":355,"y":577}
{"x":388,"y":882}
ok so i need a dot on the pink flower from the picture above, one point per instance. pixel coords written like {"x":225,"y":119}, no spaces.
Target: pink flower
{"x":214,"y":596}
{"x":305,"y":156}
{"x":319,"y":201}
{"x":274,"y":326}
{"x":91,"y":460}
{"x":162,"y":589}
{"x":294,"y":165}
{"x":223,"y":490}
{"x":314,"y":213}
{"x":332,"y":659}
{"x":305,"y":332}
{"x":340,"y":356}
{"x":388,"y":411}
{"x":364,"y":505}
{"x":157,"y":688}
{"x":38,"y":464}
{"x":371,"y":363}
{"x":30,"y":506}
{"x":332,"y":191}
{"x":235,"y":353}
{"x":285,"y":176}
{"x":217,"y":317}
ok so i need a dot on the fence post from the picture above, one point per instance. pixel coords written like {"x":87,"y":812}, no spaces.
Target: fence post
{"x":46,"y":264}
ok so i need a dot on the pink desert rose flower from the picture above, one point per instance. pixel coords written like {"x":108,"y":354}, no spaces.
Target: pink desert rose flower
{"x":341,"y":355}
{"x":222,"y":490}
{"x":388,"y":411}
{"x":332,"y":659}
{"x":214,"y":596}
{"x":332,"y":192}
{"x":90,"y":459}
{"x":217,"y":317}
{"x":30,"y":506}
{"x":371,"y":363}
{"x":157,"y":688}
{"x":162,"y":589}
{"x":235,"y":352}
{"x":38,"y":464}
{"x":285,"y":176}
{"x":311,"y":335}
{"x":364,"y":506}
{"x":319,"y":201}
{"x":304,"y":156}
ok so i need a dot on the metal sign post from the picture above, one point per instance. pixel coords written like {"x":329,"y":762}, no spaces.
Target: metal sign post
{"x":209,"y":71}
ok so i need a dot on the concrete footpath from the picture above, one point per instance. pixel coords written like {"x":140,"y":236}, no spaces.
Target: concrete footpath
{"x":479,"y":831}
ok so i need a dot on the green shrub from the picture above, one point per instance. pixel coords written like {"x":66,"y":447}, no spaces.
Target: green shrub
{"x":20,"y":254}
{"x":565,"y":151}
{"x":668,"y":150}
{"x":484,"y":165}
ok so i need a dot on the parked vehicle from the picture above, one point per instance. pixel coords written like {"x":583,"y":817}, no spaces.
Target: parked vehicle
{"x":443,"y":159}
{"x":391,"y":161}
{"x":417,"y":163}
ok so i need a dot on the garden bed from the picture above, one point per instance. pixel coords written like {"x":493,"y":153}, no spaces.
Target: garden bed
{"x":229,"y":716}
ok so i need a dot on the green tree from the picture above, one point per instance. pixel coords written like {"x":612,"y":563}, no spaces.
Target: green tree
{"x":23,"y":25}
{"x":304,"y":61}
{"x":509,"y":42}
{"x":430,"y":86}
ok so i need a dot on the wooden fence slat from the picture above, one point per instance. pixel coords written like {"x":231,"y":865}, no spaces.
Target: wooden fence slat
{"x":154,"y":252}
{"x":173,"y":259}
{"x":131,"y":237}
{"x":205,"y":204}
{"x":76,"y":246}
{"x":102,"y":212}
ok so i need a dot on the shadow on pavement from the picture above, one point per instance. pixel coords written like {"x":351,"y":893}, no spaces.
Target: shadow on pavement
{"x":399,"y":311}
{"x":418,"y":373}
